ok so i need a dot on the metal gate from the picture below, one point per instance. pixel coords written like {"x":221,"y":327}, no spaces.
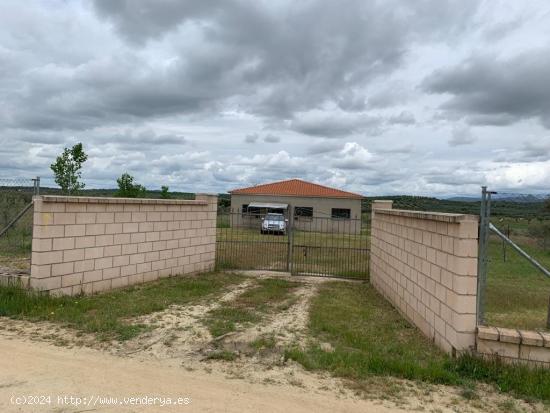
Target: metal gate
{"x":303,"y":245}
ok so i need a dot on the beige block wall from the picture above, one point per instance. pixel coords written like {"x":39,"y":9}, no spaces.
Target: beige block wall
{"x":87,"y":245}
{"x":513,"y":346}
{"x":425,"y":264}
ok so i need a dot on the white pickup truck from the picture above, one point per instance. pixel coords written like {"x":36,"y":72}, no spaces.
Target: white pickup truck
{"x":274,"y":223}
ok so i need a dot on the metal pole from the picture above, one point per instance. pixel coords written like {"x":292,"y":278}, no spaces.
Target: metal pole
{"x":482,"y":258}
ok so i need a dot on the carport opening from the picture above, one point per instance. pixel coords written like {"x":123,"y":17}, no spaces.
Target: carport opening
{"x":261,"y":209}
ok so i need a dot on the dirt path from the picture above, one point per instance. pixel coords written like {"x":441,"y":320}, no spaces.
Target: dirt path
{"x":42,"y":369}
{"x":172,"y":360}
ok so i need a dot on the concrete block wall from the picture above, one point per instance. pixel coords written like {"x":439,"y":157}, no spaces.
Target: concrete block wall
{"x":425,"y":264}
{"x":510,"y":345}
{"x":86,"y":245}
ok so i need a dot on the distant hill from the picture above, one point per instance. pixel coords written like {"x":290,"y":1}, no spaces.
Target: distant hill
{"x":499,"y":207}
{"x":520,"y":198}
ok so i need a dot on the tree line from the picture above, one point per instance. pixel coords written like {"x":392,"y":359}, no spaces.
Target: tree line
{"x":67,"y":170}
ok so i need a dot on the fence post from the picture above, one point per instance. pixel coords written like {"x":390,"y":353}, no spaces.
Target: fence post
{"x":36,"y":186}
{"x":482,"y":256}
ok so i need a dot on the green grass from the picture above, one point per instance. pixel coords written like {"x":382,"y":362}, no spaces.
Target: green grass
{"x":249,"y":307}
{"x":108,"y":315}
{"x":517,"y":292}
{"x":370,"y":338}
{"x":224,"y":355}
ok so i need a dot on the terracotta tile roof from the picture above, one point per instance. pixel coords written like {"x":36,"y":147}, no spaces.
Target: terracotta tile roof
{"x":295,"y":187}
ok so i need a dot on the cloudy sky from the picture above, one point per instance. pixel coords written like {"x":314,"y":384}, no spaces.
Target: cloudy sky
{"x":427,"y":97}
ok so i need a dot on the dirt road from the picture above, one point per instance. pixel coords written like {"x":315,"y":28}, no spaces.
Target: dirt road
{"x":40,"y":369}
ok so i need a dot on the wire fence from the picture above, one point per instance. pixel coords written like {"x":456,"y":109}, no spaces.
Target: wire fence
{"x":16,"y":218}
{"x":515,"y":293}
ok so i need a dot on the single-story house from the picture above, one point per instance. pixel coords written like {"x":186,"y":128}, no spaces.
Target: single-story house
{"x":313,"y":207}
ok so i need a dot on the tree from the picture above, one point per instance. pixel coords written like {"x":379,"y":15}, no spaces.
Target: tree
{"x":127,"y":188}
{"x":547,"y":204}
{"x":67,"y":168}
{"x":164,"y":194}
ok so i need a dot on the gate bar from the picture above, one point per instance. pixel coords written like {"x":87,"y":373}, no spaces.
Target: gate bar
{"x":533,"y":261}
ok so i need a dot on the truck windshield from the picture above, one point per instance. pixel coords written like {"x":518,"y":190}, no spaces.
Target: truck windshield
{"x":274,"y":217}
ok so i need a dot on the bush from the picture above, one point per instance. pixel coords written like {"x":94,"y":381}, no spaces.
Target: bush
{"x":128,"y":189}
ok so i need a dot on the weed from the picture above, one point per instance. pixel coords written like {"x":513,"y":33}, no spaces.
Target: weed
{"x":250,"y":306}
{"x":264,"y":342}
{"x":108,"y":315}
{"x":369,"y":338}
{"x":222,"y":355}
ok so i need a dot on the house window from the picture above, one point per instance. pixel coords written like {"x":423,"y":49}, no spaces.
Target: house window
{"x":342,"y":213}
{"x":244,"y":211}
{"x":303,"y":212}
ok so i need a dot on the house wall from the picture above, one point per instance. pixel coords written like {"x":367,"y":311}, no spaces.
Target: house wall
{"x":425,"y":264}
{"x":322,"y":209}
{"x":86,"y":245}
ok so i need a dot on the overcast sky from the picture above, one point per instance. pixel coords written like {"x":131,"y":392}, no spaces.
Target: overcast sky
{"x":424,"y":97}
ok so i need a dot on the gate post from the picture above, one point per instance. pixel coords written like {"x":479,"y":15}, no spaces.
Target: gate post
{"x":290,"y":236}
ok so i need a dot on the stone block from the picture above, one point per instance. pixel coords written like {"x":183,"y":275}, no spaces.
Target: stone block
{"x":85,"y":242}
{"x":531,"y":338}
{"x":86,"y":218}
{"x":508,"y":335}
{"x":83,"y":265}
{"x":42,"y":244}
{"x":62,"y":269}
{"x":49,"y":257}
{"x":93,"y":253}
{"x":487,"y":333}
{"x":112,"y":250}
{"x":63,"y":243}
{"x":95,"y":229}
{"x":101,"y":263}
{"x":105,"y":218}
{"x":111,"y":272}
{"x":71,"y":279}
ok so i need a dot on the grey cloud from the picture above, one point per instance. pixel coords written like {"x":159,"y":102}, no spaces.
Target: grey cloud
{"x":323,"y":147}
{"x":186,"y":57}
{"x":399,"y":149}
{"x":462,"y":135}
{"x":146,"y":140}
{"x":404,"y":118}
{"x":492,"y":91}
{"x":391,"y":95}
{"x":334,"y":125}
{"x":269,"y":138}
{"x":539,"y":150}
{"x":140,"y":20}
{"x":454,"y":176}
{"x":530,"y":151}
{"x":252,"y":138}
